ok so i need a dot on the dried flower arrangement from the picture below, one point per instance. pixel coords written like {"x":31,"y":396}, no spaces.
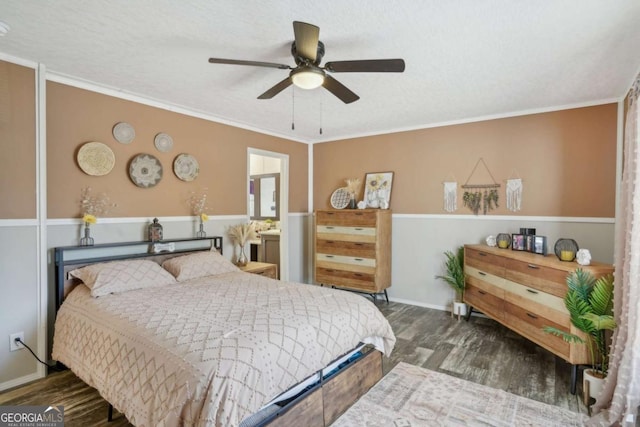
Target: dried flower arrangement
{"x":240,"y":234}
{"x":197,"y":202}
{"x":94,"y":205}
{"x":353,"y":187}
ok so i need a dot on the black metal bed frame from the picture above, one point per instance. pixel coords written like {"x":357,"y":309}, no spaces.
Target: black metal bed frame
{"x":64,"y":255}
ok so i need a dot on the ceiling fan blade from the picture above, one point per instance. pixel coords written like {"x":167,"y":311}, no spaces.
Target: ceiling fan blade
{"x":339,"y":90}
{"x":253,"y":63}
{"x":366,"y":66}
{"x":307,"y":36}
{"x":276,"y":89}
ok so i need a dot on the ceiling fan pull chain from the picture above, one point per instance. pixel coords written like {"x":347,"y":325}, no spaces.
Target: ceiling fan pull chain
{"x":293,"y":108}
{"x":321,"y":103}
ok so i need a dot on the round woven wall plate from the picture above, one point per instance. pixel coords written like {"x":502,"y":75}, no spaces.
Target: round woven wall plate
{"x":163,"y":142}
{"x":96,"y":159}
{"x":340,"y":198}
{"x":186,"y":167}
{"x":124,"y":133}
{"x":145,"y":170}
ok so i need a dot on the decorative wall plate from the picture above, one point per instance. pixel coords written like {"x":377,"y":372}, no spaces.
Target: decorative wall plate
{"x":145,"y":170}
{"x":124,"y":133}
{"x":340,"y":198}
{"x":186,"y":167}
{"x":96,"y":159}
{"x":163,"y":142}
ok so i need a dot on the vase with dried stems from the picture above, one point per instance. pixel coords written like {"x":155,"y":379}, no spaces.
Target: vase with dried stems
{"x":198,"y":203}
{"x":240,"y":234}
{"x":92,"y":206}
{"x":353,"y":188}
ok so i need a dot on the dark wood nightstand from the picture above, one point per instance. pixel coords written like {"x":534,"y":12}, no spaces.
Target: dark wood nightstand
{"x":262,"y":268}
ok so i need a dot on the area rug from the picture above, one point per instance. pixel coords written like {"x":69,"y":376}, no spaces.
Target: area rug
{"x":414,"y":396}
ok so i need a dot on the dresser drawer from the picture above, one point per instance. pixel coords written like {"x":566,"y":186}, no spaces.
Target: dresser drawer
{"x":550,"y":280}
{"x":349,"y":260}
{"x":346,"y":234}
{"x":484,"y":298}
{"x":350,"y":279}
{"x":484,"y":261}
{"x":535,"y":301}
{"x":340,"y":247}
{"x":529,"y":324}
{"x":348,"y":218}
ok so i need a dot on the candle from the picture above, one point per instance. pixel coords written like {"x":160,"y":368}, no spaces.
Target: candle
{"x":567,"y":255}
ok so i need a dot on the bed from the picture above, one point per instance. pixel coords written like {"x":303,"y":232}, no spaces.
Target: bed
{"x":196,"y":341}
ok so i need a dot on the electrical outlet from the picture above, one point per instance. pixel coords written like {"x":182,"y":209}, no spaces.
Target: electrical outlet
{"x":12,"y":341}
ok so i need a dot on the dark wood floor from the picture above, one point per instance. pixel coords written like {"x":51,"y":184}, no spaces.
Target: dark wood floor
{"x":480,"y":350}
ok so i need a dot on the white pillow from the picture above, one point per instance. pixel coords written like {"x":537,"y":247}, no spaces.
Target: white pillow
{"x":121,"y":276}
{"x":197,"y":265}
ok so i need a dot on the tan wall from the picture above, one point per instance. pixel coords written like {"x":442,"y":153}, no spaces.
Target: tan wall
{"x":17,"y":142}
{"x":567,"y":160}
{"x":76,"y":116}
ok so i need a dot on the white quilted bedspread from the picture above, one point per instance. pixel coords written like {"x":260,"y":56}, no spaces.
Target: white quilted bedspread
{"x":208,"y":351}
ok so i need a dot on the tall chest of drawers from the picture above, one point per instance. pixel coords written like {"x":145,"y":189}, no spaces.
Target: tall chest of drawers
{"x":525,"y":292}
{"x":353,"y":249}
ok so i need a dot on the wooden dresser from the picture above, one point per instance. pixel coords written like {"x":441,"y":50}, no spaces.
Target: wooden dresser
{"x":353,"y":249}
{"x":525,"y":292}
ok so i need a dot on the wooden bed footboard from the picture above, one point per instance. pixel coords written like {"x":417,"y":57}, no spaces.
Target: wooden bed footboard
{"x":321,"y":406}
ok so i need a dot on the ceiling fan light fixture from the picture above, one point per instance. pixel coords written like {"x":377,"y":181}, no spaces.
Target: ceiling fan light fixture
{"x":307,"y":77}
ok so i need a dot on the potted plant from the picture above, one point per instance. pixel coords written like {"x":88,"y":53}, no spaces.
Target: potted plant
{"x":590,"y":305}
{"x":454,"y":267}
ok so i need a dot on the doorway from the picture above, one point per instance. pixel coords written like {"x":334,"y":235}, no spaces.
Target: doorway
{"x":268,"y":203}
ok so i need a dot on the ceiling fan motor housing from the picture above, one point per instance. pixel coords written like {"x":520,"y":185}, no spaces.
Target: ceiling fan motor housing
{"x":302,"y":60}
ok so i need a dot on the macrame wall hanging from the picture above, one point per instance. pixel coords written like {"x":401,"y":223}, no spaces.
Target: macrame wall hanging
{"x":477,"y":196}
{"x":514,"y":193}
{"x":450,"y":196}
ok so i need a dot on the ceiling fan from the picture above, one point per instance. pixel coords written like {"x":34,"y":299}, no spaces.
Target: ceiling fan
{"x":307,"y":51}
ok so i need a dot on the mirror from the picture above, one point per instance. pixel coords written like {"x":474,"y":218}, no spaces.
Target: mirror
{"x":264,"y":193}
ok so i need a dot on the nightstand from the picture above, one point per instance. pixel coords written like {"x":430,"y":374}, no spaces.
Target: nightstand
{"x":262,"y":268}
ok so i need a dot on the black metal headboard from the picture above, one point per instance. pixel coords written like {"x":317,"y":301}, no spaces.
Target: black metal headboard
{"x":68,"y":258}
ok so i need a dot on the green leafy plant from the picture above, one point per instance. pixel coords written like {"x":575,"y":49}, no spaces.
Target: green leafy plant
{"x":454,"y":267}
{"x":590,"y":305}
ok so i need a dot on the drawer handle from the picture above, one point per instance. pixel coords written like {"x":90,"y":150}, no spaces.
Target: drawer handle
{"x":535,"y":267}
{"x":329,"y":227}
{"x":358,"y":244}
{"x":533,"y":316}
{"x":482,"y":254}
{"x":358,"y":229}
{"x":358,"y":259}
{"x":329,"y":213}
{"x":329,"y":256}
{"x":260,"y":272}
{"x":532,"y":291}
{"x":482,"y":273}
{"x":330,"y":242}
{"x":357,"y":274}
{"x":359,"y":213}
{"x":328,"y":271}
{"x":482,"y":292}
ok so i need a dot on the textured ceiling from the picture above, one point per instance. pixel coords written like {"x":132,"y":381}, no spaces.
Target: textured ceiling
{"x":464,"y":59}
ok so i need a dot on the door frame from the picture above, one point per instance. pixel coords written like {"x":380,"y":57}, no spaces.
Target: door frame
{"x":283,"y":203}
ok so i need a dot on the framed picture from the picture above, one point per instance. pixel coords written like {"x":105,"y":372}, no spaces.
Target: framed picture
{"x":528,"y":242}
{"x":377,"y":189}
{"x":540,"y":245}
{"x":518,"y":242}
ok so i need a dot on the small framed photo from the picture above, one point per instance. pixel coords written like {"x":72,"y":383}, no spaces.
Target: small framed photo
{"x":540,"y":245}
{"x":528,"y":242}
{"x":518,"y":242}
{"x":377,"y":189}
